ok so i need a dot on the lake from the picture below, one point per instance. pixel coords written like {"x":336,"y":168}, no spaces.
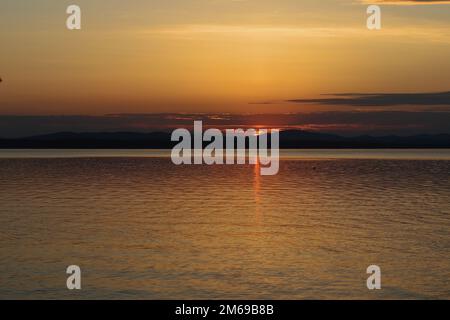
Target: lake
{"x":142,"y":228}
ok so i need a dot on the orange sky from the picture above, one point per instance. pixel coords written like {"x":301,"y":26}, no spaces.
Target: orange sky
{"x":213,"y":56}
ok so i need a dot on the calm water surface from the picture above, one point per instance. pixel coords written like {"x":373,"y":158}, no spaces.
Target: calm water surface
{"x":140,"y":227}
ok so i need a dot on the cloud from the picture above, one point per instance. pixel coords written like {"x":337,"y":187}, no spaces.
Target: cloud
{"x":340,"y":122}
{"x":408,"y":2}
{"x":189,"y":32}
{"x":250,"y":30}
{"x":381,"y":99}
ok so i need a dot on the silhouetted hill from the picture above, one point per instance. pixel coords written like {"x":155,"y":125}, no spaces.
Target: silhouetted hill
{"x":161,"y":140}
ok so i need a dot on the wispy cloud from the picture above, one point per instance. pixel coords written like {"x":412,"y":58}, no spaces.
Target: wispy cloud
{"x":189,"y":32}
{"x":408,"y":2}
{"x":381,"y":99}
{"x":253,"y":30}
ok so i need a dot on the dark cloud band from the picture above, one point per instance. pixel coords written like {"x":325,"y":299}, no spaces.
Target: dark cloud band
{"x":381,"y":99}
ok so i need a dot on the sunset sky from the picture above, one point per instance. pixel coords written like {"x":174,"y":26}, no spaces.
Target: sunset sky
{"x":224,"y":56}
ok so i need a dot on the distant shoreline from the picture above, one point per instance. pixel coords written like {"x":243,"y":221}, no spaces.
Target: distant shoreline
{"x":290,"y":139}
